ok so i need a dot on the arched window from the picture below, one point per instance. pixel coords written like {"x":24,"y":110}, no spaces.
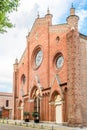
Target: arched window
{"x":57,"y":38}
{"x":58,"y":60}
{"x":23,"y":79}
{"x":37,"y":57}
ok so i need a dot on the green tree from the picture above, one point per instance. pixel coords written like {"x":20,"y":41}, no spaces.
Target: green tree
{"x":6,"y":7}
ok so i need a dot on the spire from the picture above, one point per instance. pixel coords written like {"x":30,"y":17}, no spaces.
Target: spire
{"x":49,"y":16}
{"x":72,"y":19}
{"x":48,"y":11}
{"x":16,"y":65}
{"x":38,"y":14}
{"x":72,"y":5}
{"x":16,"y":61}
{"x":72,"y":10}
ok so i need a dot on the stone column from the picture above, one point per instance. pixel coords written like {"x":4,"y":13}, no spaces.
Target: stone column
{"x":22,"y":108}
{"x":58,"y":104}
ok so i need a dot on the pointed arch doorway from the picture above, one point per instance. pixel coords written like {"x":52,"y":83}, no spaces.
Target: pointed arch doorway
{"x":37,"y":102}
{"x":36,"y":96}
{"x":56,"y":100}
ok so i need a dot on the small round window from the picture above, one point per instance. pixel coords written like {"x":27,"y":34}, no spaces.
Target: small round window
{"x":59,"y":62}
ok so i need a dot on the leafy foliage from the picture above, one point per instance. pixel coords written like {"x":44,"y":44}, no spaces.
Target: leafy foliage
{"x":6,"y":7}
{"x":26,"y":114}
{"x":35,"y":114}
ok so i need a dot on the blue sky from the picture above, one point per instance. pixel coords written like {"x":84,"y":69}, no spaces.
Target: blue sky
{"x":13,"y":43}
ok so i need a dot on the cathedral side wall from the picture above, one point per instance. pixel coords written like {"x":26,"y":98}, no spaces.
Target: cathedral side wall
{"x":22,"y":69}
{"x":83,"y":82}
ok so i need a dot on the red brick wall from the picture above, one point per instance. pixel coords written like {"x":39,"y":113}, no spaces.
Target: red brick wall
{"x":43,"y":34}
{"x":74,"y":77}
{"x":5,"y":114}
{"x":6,"y":96}
{"x":6,"y":110}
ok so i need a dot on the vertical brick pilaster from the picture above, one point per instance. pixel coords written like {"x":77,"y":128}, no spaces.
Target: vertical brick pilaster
{"x":73,"y":78}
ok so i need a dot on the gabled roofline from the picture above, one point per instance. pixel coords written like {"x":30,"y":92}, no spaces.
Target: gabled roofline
{"x":22,"y":55}
{"x":83,"y":36}
{"x":6,"y":94}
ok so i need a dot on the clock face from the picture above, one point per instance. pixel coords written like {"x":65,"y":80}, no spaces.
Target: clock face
{"x":59,"y":62}
{"x":38,"y":58}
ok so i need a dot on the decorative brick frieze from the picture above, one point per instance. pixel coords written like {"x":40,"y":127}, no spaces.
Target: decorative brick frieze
{"x":60,"y":29}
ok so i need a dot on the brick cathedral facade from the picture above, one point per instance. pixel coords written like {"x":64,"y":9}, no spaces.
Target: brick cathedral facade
{"x":51,"y":76}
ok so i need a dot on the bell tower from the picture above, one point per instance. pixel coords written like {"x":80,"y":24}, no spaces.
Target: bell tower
{"x":72,"y":20}
{"x":74,"y":106}
{"x":48,"y":17}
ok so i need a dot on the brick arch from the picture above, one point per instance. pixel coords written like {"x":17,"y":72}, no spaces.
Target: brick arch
{"x":19,"y":103}
{"x":33,"y":91}
{"x":43,"y":94}
{"x":23,"y":78}
{"x":58,"y":53}
{"x":53,"y":95}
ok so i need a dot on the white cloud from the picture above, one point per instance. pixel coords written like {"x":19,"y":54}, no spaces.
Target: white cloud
{"x":82,"y":15}
{"x":13,"y":43}
{"x":24,"y":19}
{"x":82,"y":4}
{"x":5,"y":88}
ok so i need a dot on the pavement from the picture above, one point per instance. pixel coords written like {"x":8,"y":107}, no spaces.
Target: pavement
{"x":21,"y":125}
